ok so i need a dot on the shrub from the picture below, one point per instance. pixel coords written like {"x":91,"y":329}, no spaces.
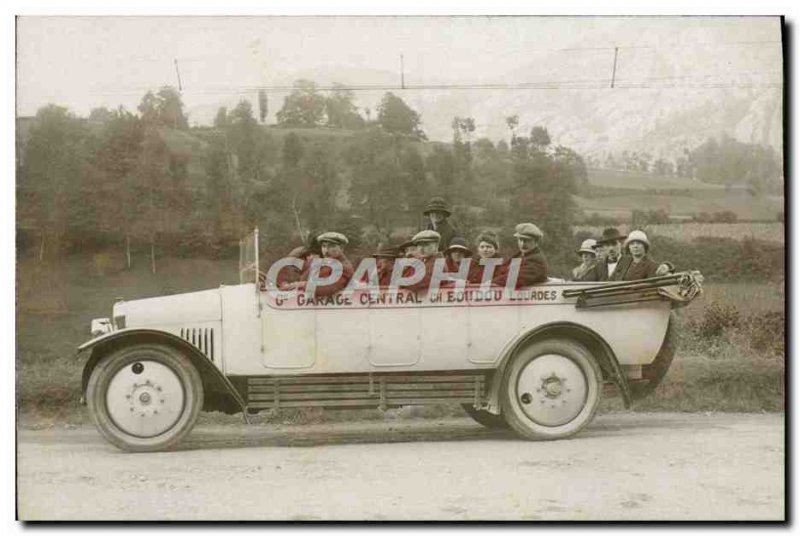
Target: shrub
{"x":766,"y":332}
{"x":716,"y":319}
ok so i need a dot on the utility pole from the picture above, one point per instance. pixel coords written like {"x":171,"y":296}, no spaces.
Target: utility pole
{"x":178,"y":72}
{"x":402,"y":74}
{"x":614,"y":69}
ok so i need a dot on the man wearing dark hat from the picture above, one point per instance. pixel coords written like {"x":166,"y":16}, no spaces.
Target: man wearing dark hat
{"x":437,"y":212}
{"x":385,"y":258}
{"x":610,"y":260}
{"x":533,"y":268}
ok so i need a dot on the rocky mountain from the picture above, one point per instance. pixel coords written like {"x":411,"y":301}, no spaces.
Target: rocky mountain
{"x":665,"y":98}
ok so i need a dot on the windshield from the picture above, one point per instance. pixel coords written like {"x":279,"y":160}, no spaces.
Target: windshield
{"x":248,"y":258}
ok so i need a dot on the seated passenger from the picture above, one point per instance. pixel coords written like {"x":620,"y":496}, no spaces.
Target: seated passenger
{"x":292,"y":274}
{"x":533,"y":268}
{"x":427,"y":250}
{"x":588,"y":257}
{"x":332,"y":245}
{"x":488,"y":247}
{"x":638,"y":264}
{"x":385,"y":258}
{"x":609,"y":253}
{"x":455,"y":253}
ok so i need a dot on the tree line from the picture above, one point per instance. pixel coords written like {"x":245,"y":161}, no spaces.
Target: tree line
{"x":722,"y":160}
{"x":146,"y":182}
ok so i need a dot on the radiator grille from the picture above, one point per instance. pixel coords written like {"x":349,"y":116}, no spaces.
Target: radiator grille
{"x":202,"y":338}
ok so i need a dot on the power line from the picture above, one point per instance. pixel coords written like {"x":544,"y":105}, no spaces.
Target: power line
{"x":594,"y":83}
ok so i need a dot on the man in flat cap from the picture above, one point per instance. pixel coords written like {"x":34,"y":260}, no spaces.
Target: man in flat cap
{"x":427,"y":244}
{"x":438,"y":213}
{"x":533,"y":265}
{"x":332,"y":246}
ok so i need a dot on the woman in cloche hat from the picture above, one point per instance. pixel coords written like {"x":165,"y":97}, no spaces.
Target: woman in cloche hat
{"x":588,"y":255}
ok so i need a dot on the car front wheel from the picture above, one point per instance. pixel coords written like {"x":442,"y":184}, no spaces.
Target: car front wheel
{"x":551,"y":389}
{"x":145,"y":397}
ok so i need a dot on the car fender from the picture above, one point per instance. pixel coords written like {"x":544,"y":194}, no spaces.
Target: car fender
{"x":106,"y":343}
{"x":567,"y":330}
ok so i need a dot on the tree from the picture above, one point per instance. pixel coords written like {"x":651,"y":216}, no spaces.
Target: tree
{"x":396,"y":117}
{"x":221,"y":119}
{"x":100,"y":115}
{"x":543,"y":189}
{"x":263,"y":108}
{"x":113,"y":194}
{"x":304,"y":107}
{"x":540,"y":138}
{"x":442,"y":165}
{"x":341,"y":111}
{"x":729,"y":161}
{"x":512,"y":121}
{"x":54,"y":160}
{"x":161,"y":192}
{"x":377,"y":179}
{"x":164,"y":108}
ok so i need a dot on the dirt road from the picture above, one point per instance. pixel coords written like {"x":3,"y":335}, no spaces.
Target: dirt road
{"x":625,"y":466}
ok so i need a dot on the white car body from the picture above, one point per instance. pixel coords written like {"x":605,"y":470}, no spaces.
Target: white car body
{"x":534,"y":359}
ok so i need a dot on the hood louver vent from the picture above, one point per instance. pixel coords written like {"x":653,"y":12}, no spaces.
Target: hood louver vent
{"x":202,"y":338}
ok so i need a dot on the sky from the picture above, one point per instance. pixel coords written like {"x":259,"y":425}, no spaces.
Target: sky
{"x":86,"y":62}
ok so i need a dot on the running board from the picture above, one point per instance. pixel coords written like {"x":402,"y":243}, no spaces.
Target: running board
{"x":361,"y":391}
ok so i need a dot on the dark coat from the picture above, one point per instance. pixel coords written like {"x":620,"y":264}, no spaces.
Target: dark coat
{"x":325,"y":271}
{"x":599,"y":272}
{"x":425,"y":282}
{"x":446,"y":231}
{"x":532,"y":271}
{"x":631,"y":271}
{"x":476,"y":271}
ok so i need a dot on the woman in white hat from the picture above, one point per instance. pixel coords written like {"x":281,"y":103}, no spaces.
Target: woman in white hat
{"x":640,"y":265}
{"x":588,"y":255}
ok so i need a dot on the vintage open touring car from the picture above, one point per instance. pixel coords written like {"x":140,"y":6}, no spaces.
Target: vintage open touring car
{"x":535,"y":360}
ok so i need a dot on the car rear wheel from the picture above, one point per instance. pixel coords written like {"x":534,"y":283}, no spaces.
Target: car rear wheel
{"x":481,"y":416}
{"x":145,"y":397}
{"x":551,"y":389}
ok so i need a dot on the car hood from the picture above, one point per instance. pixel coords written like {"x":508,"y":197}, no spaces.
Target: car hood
{"x":192,"y":307}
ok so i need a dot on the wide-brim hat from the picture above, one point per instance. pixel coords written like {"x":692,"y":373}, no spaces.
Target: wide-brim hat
{"x":426,"y":236}
{"x":458,"y":244}
{"x":334,"y":238}
{"x":610,"y":234}
{"x":437,"y":204}
{"x":587,"y":246}
{"x":528,"y":231}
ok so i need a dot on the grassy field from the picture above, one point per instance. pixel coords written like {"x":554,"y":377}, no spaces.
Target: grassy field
{"x":745,"y":206}
{"x":769,"y":232}
{"x":611,"y":178}
{"x":54,"y":310}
